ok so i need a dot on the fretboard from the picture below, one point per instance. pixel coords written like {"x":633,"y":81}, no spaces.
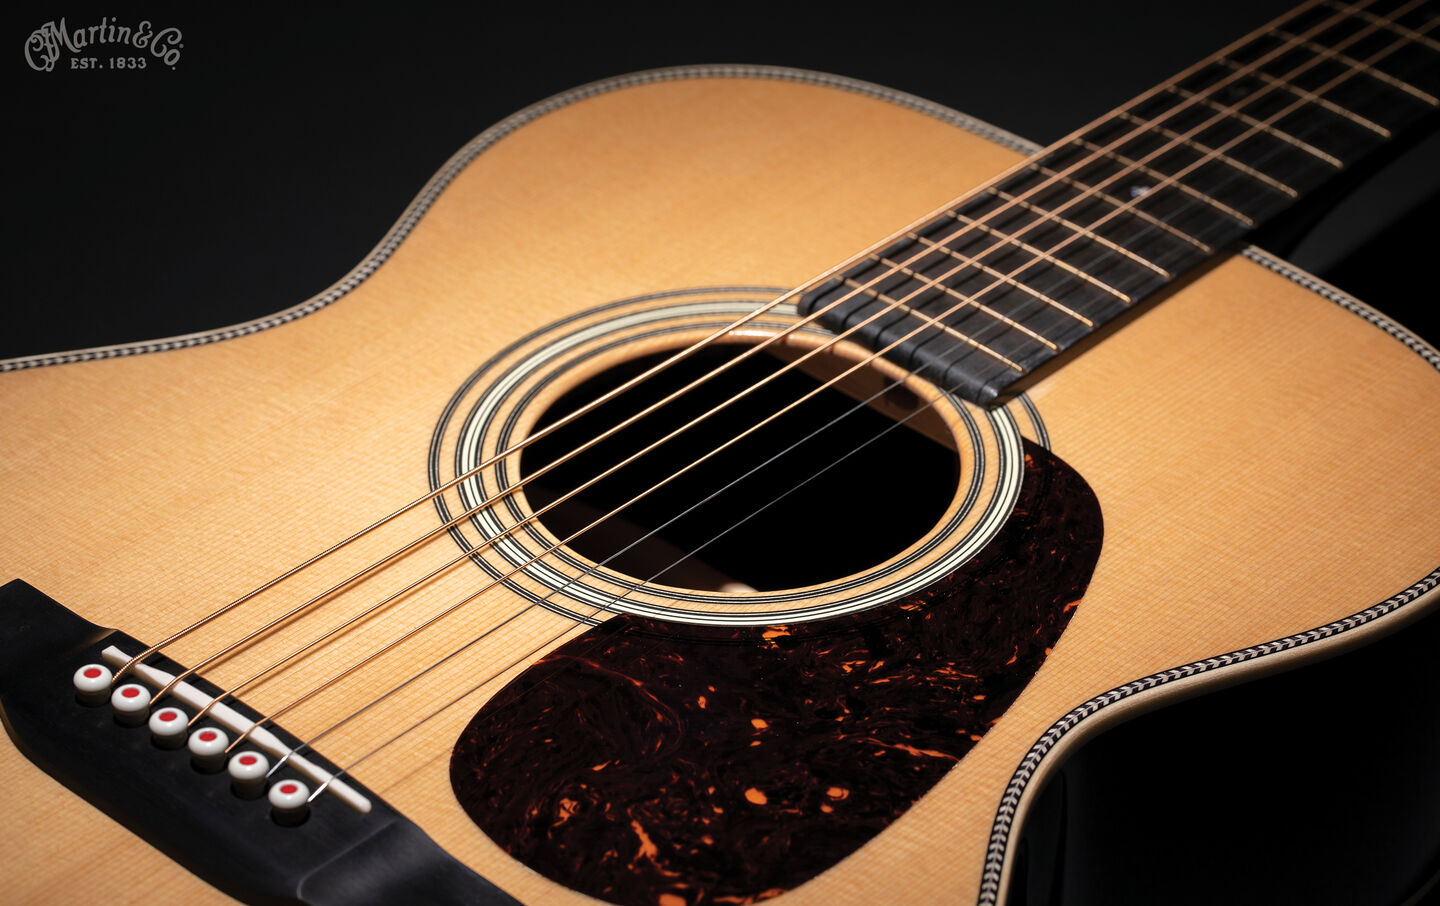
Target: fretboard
{"x":1012,"y":274}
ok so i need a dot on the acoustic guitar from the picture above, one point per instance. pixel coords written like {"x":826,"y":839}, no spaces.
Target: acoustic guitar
{"x":723,"y":519}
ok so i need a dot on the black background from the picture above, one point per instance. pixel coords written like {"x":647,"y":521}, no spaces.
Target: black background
{"x":287,"y":140}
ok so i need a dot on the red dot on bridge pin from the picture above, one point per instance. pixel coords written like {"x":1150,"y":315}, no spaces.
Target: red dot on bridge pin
{"x":168,"y":716}
{"x":130,"y":692}
{"x":92,"y":681}
{"x":248,"y":769}
{"x":288,"y":802}
{"x":207,"y":735}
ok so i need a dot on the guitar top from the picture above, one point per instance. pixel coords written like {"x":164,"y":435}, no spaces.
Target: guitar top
{"x":681,"y":505}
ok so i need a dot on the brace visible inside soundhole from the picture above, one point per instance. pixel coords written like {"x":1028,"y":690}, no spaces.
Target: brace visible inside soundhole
{"x":795,"y":521}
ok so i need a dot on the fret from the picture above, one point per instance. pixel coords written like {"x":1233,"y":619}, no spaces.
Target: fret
{"x":1143,"y":215}
{"x":1386,"y":24}
{"x":1359,"y":66}
{"x":1255,"y":148}
{"x":1100,"y":253}
{"x":1123,"y":279}
{"x":1017,"y":272}
{"x":1211,"y":153}
{"x":972,"y":300}
{"x":935,"y":271}
{"x":1249,"y":120}
{"x":1067,"y":222}
{"x":924,"y":285}
{"x":1062,"y":263}
{"x":1004,"y":278}
{"x":973,"y":343}
{"x":1311,"y":97}
{"x":1170,"y":180}
{"x":1172,"y":164}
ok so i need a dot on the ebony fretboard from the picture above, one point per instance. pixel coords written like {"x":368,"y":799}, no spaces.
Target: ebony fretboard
{"x":1016,"y":272}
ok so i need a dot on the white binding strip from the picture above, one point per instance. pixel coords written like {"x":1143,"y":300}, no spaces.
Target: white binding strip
{"x":235,"y":721}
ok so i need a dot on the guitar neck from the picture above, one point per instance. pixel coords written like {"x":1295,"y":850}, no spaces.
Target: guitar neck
{"x":1009,"y":276}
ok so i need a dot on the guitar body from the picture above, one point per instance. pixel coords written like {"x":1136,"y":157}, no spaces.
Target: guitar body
{"x":1265,"y":459}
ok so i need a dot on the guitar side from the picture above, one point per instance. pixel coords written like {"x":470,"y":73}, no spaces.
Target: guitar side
{"x":1242,"y":438}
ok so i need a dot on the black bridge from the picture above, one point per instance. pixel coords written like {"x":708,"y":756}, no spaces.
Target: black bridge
{"x":337,"y":855}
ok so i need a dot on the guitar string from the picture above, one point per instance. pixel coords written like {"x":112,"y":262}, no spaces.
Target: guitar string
{"x":328,"y":634}
{"x":596,"y":523}
{"x":598,"y":607}
{"x":464,"y":555}
{"x":235,"y":689}
{"x":462,"y":516}
{"x":685,"y":353}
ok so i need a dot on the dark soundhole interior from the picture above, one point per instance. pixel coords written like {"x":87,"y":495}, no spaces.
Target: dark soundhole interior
{"x":828,"y":488}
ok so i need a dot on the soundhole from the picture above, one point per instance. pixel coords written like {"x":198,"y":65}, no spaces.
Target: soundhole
{"x":826,"y":489}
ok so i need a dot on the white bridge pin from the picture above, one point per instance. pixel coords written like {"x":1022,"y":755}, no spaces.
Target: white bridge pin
{"x":247,"y":773}
{"x":92,"y":683}
{"x":207,"y":749}
{"x":131,"y":702}
{"x":167,"y":726}
{"x":289,"y":801}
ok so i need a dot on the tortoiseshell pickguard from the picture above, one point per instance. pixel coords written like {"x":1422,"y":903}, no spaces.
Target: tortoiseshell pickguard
{"x":652,"y":763}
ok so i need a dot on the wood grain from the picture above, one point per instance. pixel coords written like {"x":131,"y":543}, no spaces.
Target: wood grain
{"x":1263,"y":458}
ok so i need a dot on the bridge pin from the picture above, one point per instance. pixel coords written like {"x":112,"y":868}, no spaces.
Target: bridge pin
{"x":131,"y":702}
{"x":247,"y":774}
{"x":92,"y":684}
{"x":289,"y":801}
{"x":167,"y":728}
{"x":207,"y":749}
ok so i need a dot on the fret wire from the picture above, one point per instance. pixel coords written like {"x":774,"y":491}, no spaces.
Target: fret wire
{"x":962,"y":338}
{"x":1073,"y":225}
{"x":1313,"y":98}
{"x":1121,"y":205}
{"x":1387,"y":24}
{"x":861,"y":287}
{"x":1231,"y":143}
{"x":1008,"y":278}
{"x":1061,"y":262}
{"x":966,"y":339}
{"x":1184,"y":187}
{"x":1101,"y":193}
{"x":896,"y":303}
{"x":1087,"y":190}
{"x":1369,"y":70}
{"x":1249,"y":120}
{"x":1060,"y":306}
{"x":950,"y":291}
{"x":1129,"y":206}
{"x":1203,"y":148}
{"x":1381,"y":54}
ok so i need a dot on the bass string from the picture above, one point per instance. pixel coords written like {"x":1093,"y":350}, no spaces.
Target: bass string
{"x":925,"y":324}
{"x":596,"y":608}
{"x":490,"y":501}
{"x":685,"y":353}
{"x":595,"y":523}
{"x":535,"y":516}
{"x":660,"y":366}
